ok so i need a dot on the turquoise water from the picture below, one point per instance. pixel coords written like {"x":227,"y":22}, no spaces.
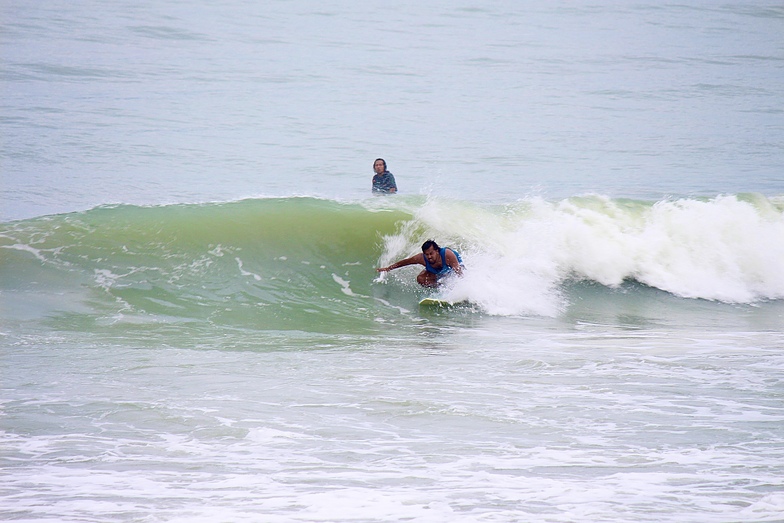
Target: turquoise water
{"x":193,"y":329}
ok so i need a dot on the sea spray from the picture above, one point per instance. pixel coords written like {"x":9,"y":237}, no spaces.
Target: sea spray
{"x":520,"y":255}
{"x":724,"y":249}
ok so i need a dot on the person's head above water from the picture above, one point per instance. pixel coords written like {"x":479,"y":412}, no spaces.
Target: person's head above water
{"x":430,"y":243}
{"x":432,"y":252}
{"x":380,"y":165}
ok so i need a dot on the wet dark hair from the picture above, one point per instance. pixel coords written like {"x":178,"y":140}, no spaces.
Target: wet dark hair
{"x":383,"y":160}
{"x":430,"y":243}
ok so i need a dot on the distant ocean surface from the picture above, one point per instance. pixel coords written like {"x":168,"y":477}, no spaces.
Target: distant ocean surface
{"x":192,"y":327}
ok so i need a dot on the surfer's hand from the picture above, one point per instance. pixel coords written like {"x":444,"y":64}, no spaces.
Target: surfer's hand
{"x":382,"y":269}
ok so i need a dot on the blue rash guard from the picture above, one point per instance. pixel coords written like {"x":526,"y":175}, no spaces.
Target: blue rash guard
{"x":445,"y":269}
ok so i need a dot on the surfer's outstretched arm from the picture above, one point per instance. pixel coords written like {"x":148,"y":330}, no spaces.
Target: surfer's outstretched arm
{"x":417,"y":259}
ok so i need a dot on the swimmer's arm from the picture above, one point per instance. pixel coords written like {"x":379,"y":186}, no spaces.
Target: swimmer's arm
{"x":417,"y":259}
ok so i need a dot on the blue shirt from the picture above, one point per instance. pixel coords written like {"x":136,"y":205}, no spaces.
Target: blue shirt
{"x":445,"y":269}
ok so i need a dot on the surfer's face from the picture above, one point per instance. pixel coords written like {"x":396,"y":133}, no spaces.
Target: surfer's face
{"x":433,"y":257}
{"x":378,"y":167}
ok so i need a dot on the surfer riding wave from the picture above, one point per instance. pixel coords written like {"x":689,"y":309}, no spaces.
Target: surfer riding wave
{"x":439,"y":263}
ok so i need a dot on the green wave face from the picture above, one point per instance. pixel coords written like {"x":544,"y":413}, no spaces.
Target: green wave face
{"x":294,"y":263}
{"x":306,"y":264}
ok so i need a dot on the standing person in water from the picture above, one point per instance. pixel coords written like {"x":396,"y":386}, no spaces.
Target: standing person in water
{"x":439,"y":262}
{"x":383,"y":181}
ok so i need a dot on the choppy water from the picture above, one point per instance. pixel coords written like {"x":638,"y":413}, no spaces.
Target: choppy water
{"x":192,"y":328}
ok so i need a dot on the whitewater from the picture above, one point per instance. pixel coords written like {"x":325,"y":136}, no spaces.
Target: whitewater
{"x":192,"y":327}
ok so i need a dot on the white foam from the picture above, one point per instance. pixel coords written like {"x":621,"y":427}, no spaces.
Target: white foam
{"x":345,"y":286}
{"x":723,"y":249}
{"x":246,"y":273}
{"x":25,"y":248}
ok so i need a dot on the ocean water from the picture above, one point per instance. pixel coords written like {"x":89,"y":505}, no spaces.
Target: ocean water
{"x":192,"y":327}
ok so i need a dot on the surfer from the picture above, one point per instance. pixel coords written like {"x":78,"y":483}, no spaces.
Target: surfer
{"x":438,"y":261}
{"x":383,"y":181}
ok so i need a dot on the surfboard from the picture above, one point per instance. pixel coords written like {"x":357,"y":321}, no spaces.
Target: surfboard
{"x":433,"y":301}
